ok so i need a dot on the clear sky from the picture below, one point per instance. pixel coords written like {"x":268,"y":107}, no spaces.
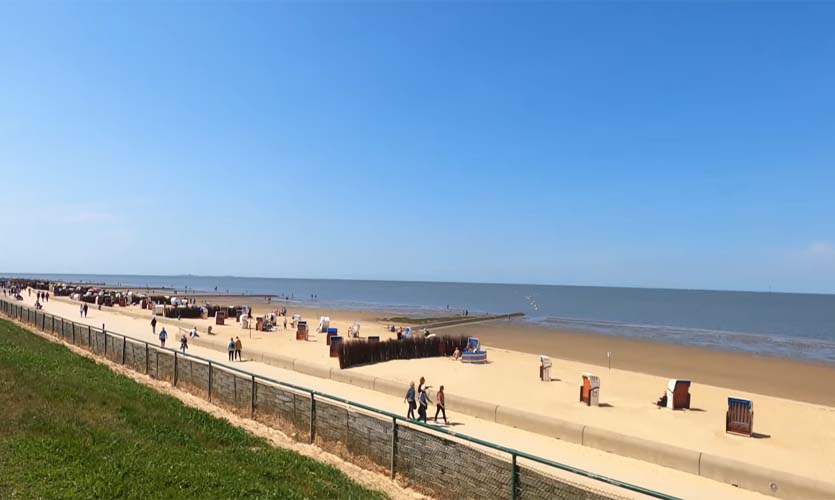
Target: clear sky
{"x":667,"y":144}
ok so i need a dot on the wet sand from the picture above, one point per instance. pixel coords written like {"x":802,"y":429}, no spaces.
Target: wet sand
{"x":779,"y":377}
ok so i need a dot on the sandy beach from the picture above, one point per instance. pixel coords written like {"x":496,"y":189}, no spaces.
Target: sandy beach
{"x":766,"y":375}
{"x":787,"y":427}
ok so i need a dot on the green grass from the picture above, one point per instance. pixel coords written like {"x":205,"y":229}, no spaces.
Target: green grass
{"x":70,"y":428}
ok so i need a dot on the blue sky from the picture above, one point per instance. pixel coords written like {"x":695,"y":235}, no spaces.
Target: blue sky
{"x":666,"y":144}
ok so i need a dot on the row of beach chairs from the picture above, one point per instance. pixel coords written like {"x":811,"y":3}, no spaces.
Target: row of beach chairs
{"x":739,"y":418}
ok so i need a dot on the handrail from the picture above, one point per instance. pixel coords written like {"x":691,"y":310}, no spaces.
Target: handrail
{"x":513,"y":452}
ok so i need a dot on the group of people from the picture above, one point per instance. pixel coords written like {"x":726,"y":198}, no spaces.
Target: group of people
{"x":82,"y":310}
{"x":41,"y":298}
{"x":234,"y":348}
{"x":420,"y":400}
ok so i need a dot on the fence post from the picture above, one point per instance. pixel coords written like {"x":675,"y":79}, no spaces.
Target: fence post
{"x":174,"y":383}
{"x":124,"y":346}
{"x":393,"y":444}
{"x":210,"y":381}
{"x":73,"y":334}
{"x":312,"y":417}
{"x":89,"y":338}
{"x":105,"y":339}
{"x":252,"y":400}
{"x":514,"y":476}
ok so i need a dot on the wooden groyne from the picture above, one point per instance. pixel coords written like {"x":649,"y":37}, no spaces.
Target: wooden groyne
{"x":466,"y":320}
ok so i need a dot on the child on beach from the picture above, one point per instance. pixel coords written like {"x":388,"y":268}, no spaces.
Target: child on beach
{"x":162,"y":336}
{"x":410,"y":398}
{"x":441,"y":406}
{"x":231,"y":348}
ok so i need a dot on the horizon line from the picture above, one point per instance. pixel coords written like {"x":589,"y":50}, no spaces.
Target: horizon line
{"x":627,"y":287}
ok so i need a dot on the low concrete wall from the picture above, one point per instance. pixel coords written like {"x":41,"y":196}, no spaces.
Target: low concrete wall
{"x":649,"y":451}
{"x":472,"y":407}
{"x":353,"y":378}
{"x":278,"y":360}
{"x":390,"y":387}
{"x":309,"y":368}
{"x":540,"y":424}
{"x":762,"y":480}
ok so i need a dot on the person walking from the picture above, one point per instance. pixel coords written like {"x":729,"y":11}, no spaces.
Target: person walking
{"x":163,"y":335}
{"x":423,"y":386}
{"x":81,"y":311}
{"x":285,"y":322}
{"x":238,"y":346}
{"x":85,"y":310}
{"x":441,"y":405}
{"x":423,"y":403}
{"x":410,"y":398}
{"x":154,"y":326}
{"x":231,"y":348}
{"x":184,"y":345}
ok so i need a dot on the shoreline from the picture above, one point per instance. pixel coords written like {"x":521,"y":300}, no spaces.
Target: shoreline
{"x":769,"y":375}
{"x":756,"y":373}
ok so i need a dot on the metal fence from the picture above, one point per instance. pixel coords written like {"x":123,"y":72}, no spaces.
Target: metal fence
{"x":439,"y":462}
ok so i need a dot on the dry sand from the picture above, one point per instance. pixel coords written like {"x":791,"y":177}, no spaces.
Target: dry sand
{"x":772,"y":376}
{"x":790,"y":429}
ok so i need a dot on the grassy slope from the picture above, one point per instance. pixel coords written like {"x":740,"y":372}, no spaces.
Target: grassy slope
{"x":72,"y":429}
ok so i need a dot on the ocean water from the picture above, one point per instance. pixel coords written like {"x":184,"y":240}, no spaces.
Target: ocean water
{"x":799,"y":326}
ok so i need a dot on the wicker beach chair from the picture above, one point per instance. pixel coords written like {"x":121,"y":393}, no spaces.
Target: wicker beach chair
{"x":740,"y":417}
{"x":590,"y":390}
{"x":678,"y":394}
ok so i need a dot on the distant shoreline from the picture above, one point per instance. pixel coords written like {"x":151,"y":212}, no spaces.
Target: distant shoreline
{"x":792,"y":327}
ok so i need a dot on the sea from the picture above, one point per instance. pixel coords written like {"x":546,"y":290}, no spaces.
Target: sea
{"x":793,"y":325}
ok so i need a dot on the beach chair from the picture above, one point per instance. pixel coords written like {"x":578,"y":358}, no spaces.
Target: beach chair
{"x":544,"y":368}
{"x":590,"y":390}
{"x":678,"y":394}
{"x":335,"y":344}
{"x":473,"y":353}
{"x":301,"y":330}
{"x":740,"y":417}
{"x":331,"y":333}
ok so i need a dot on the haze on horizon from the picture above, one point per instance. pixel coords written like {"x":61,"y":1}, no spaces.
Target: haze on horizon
{"x":650,"y":145}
